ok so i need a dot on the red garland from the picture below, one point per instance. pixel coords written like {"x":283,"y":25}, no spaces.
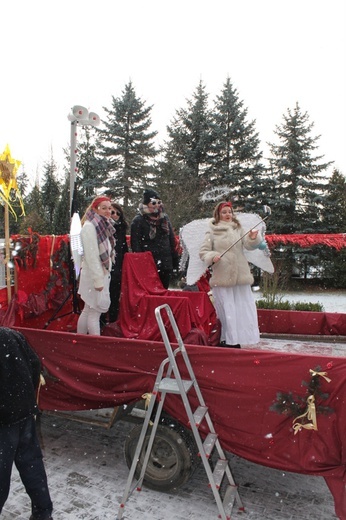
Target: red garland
{"x":337,"y":240}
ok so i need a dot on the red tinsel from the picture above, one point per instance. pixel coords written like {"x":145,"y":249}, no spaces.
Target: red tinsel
{"x":337,"y":240}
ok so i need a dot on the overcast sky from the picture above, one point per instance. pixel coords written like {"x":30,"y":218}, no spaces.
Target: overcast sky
{"x":276,"y":53}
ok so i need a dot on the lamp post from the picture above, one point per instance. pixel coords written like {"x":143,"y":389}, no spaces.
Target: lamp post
{"x":79,"y":115}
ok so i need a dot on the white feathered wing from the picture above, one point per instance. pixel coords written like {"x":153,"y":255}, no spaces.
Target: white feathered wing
{"x":192,"y":236}
{"x":76,"y":243}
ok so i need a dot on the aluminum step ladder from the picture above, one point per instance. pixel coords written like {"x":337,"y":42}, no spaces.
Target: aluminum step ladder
{"x":168,"y":381}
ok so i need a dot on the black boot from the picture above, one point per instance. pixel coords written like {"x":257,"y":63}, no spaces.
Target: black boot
{"x":224,"y":344}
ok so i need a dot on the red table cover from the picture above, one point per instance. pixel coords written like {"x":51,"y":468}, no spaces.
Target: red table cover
{"x":239,"y":387}
{"x":302,"y":322}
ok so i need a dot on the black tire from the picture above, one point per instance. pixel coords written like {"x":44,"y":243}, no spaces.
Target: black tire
{"x":173,"y":457}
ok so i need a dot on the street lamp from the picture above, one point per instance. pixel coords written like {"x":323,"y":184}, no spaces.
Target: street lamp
{"x":78,"y":115}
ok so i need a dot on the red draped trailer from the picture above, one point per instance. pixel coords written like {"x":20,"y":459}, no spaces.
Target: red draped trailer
{"x":253,"y":395}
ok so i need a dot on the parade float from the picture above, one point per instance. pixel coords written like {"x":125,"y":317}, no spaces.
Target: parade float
{"x":280,"y":409}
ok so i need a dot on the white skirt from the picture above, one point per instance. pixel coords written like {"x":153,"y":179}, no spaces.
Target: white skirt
{"x":237,"y":312}
{"x":98,"y":300}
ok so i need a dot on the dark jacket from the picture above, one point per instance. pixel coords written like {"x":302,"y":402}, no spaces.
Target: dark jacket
{"x":162,"y":247}
{"x":120,"y":248}
{"x":19,"y":377}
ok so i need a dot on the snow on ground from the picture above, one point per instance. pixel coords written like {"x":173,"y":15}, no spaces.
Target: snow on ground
{"x":87,"y":475}
{"x":332,"y":301}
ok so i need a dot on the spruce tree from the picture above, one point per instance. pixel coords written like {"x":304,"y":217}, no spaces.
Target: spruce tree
{"x":127,"y":147}
{"x":334,"y":204}
{"x":91,"y":174}
{"x":62,"y":217}
{"x":34,"y":214}
{"x":334,"y":221}
{"x":50,"y":192}
{"x":183,"y":170}
{"x":235,"y":157}
{"x":300,"y":177}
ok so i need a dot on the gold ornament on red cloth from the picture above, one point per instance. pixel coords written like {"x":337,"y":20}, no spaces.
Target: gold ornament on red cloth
{"x":310,"y":412}
{"x":8,"y":182}
{"x":321,"y":374}
{"x":310,"y":415}
{"x":304,"y":409}
{"x":147,"y":397}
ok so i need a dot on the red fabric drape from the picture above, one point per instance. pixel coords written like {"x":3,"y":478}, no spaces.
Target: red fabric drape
{"x":142,"y":292}
{"x":42,"y":277}
{"x":34,"y":272}
{"x":239,"y":387}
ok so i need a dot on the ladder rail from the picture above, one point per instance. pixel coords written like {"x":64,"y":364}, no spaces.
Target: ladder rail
{"x":151,"y":439}
{"x":194,"y":427}
{"x":183,"y":351}
{"x":130,"y":487}
{"x":169,"y":380}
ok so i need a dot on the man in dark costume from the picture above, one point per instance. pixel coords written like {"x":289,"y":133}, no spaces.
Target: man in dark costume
{"x":20,"y":370}
{"x":151,"y":230}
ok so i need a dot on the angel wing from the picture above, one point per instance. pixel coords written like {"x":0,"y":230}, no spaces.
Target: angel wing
{"x":76,"y":243}
{"x":259,"y":257}
{"x":192,"y":236}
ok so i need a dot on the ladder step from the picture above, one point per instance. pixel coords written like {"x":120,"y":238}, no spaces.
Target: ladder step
{"x":229,"y":498}
{"x":199,"y":415}
{"x":209,"y":444}
{"x":219,"y":472}
{"x":170,"y":385}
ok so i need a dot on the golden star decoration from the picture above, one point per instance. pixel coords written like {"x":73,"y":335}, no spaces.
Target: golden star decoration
{"x":8,"y":182}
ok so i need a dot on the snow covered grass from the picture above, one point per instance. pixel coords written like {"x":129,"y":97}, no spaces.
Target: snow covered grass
{"x":332,"y":301}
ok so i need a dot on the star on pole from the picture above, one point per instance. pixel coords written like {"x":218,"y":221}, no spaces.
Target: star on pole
{"x":8,"y":182}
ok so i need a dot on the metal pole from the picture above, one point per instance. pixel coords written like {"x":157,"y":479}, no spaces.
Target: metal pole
{"x":73,"y":163}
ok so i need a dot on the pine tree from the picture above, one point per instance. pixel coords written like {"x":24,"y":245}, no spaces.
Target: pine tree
{"x":127,"y":147}
{"x":182,"y":172}
{"x":50,"y":192}
{"x":62,"y":219}
{"x":91,"y":169}
{"x":298,"y":175}
{"x":334,"y":221}
{"x":235,"y":157}
{"x":334,"y":204}
{"x":34,"y":217}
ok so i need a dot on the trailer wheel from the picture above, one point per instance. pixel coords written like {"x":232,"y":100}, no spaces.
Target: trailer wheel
{"x":172,"y":460}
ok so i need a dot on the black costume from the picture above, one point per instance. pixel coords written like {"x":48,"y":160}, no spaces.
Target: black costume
{"x":19,"y":378}
{"x":115,"y":286}
{"x":153,"y":232}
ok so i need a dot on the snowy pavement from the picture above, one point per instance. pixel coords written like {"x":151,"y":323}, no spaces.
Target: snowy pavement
{"x":87,"y":475}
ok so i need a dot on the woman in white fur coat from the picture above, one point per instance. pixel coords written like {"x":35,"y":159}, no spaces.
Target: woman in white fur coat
{"x":98,"y":253}
{"x":231,"y":278}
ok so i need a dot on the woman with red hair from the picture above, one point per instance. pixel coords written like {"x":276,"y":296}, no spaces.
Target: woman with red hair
{"x":231,"y":277}
{"x":98,"y":250}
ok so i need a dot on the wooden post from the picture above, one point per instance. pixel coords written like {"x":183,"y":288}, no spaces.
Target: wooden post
{"x":7,"y":253}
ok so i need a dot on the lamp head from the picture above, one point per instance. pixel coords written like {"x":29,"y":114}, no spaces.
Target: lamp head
{"x":82,"y":116}
{"x":77,"y":113}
